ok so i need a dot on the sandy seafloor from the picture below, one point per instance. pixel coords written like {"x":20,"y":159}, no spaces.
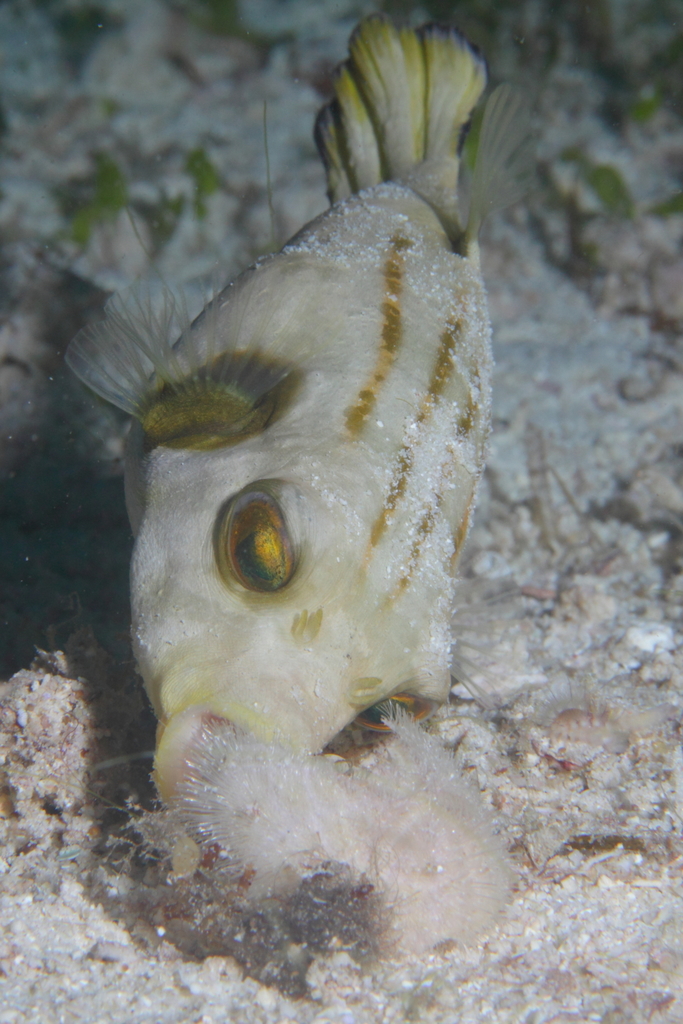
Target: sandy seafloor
{"x":579,"y":756}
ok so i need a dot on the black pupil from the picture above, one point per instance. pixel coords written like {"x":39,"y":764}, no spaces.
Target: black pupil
{"x":250,"y":564}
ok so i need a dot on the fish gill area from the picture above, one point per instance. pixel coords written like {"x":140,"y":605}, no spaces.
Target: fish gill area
{"x":173,"y":141}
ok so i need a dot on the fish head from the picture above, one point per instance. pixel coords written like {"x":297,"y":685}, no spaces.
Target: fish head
{"x":300,"y":573}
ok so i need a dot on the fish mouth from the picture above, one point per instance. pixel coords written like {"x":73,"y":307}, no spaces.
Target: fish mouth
{"x":290,"y":710}
{"x":179,"y":735}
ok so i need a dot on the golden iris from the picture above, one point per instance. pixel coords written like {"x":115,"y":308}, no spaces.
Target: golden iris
{"x":373,"y":717}
{"x":258,"y":545}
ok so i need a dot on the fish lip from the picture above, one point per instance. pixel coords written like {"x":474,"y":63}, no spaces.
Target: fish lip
{"x":176,"y":738}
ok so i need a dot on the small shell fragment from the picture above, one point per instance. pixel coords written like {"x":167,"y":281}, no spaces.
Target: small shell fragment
{"x":185,"y":856}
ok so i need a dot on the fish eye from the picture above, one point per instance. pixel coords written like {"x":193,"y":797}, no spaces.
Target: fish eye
{"x":417,"y":707}
{"x":254,"y":544}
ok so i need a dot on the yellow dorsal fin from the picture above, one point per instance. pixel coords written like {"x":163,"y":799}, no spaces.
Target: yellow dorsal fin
{"x":402,"y":97}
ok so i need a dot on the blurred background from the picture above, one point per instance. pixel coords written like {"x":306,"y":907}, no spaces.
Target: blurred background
{"x":141,"y":140}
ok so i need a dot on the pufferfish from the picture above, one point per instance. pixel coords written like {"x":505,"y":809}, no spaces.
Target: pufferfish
{"x":301,"y":471}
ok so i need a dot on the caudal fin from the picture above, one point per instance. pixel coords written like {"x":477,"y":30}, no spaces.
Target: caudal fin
{"x":402,"y":97}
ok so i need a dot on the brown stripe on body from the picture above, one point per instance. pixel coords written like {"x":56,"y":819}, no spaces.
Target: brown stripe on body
{"x":424,"y":528}
{"x":460,"y":535}
{"x":466,"y":418}
{"x":390,"y":340}
{"x":439,"y":378}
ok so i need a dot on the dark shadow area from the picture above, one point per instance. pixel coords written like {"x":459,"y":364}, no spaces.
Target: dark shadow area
{"x":65,"y":541}
{"x":274,"y":940}
{"x":64,"y":551}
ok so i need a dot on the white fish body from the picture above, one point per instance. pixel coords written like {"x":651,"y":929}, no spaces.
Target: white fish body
{"x":377,"y":456}
{"x":303,"y":466}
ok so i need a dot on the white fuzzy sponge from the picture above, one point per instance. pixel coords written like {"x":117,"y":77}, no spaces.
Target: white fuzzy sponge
{"x":410,"y":826}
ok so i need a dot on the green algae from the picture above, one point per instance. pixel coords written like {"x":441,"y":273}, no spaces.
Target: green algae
{"x":605,"y":181}
{"x":647,"y":104}
{"x":110,"y":197}
{"x":669,"y":206}
{"x":205,"y":177}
